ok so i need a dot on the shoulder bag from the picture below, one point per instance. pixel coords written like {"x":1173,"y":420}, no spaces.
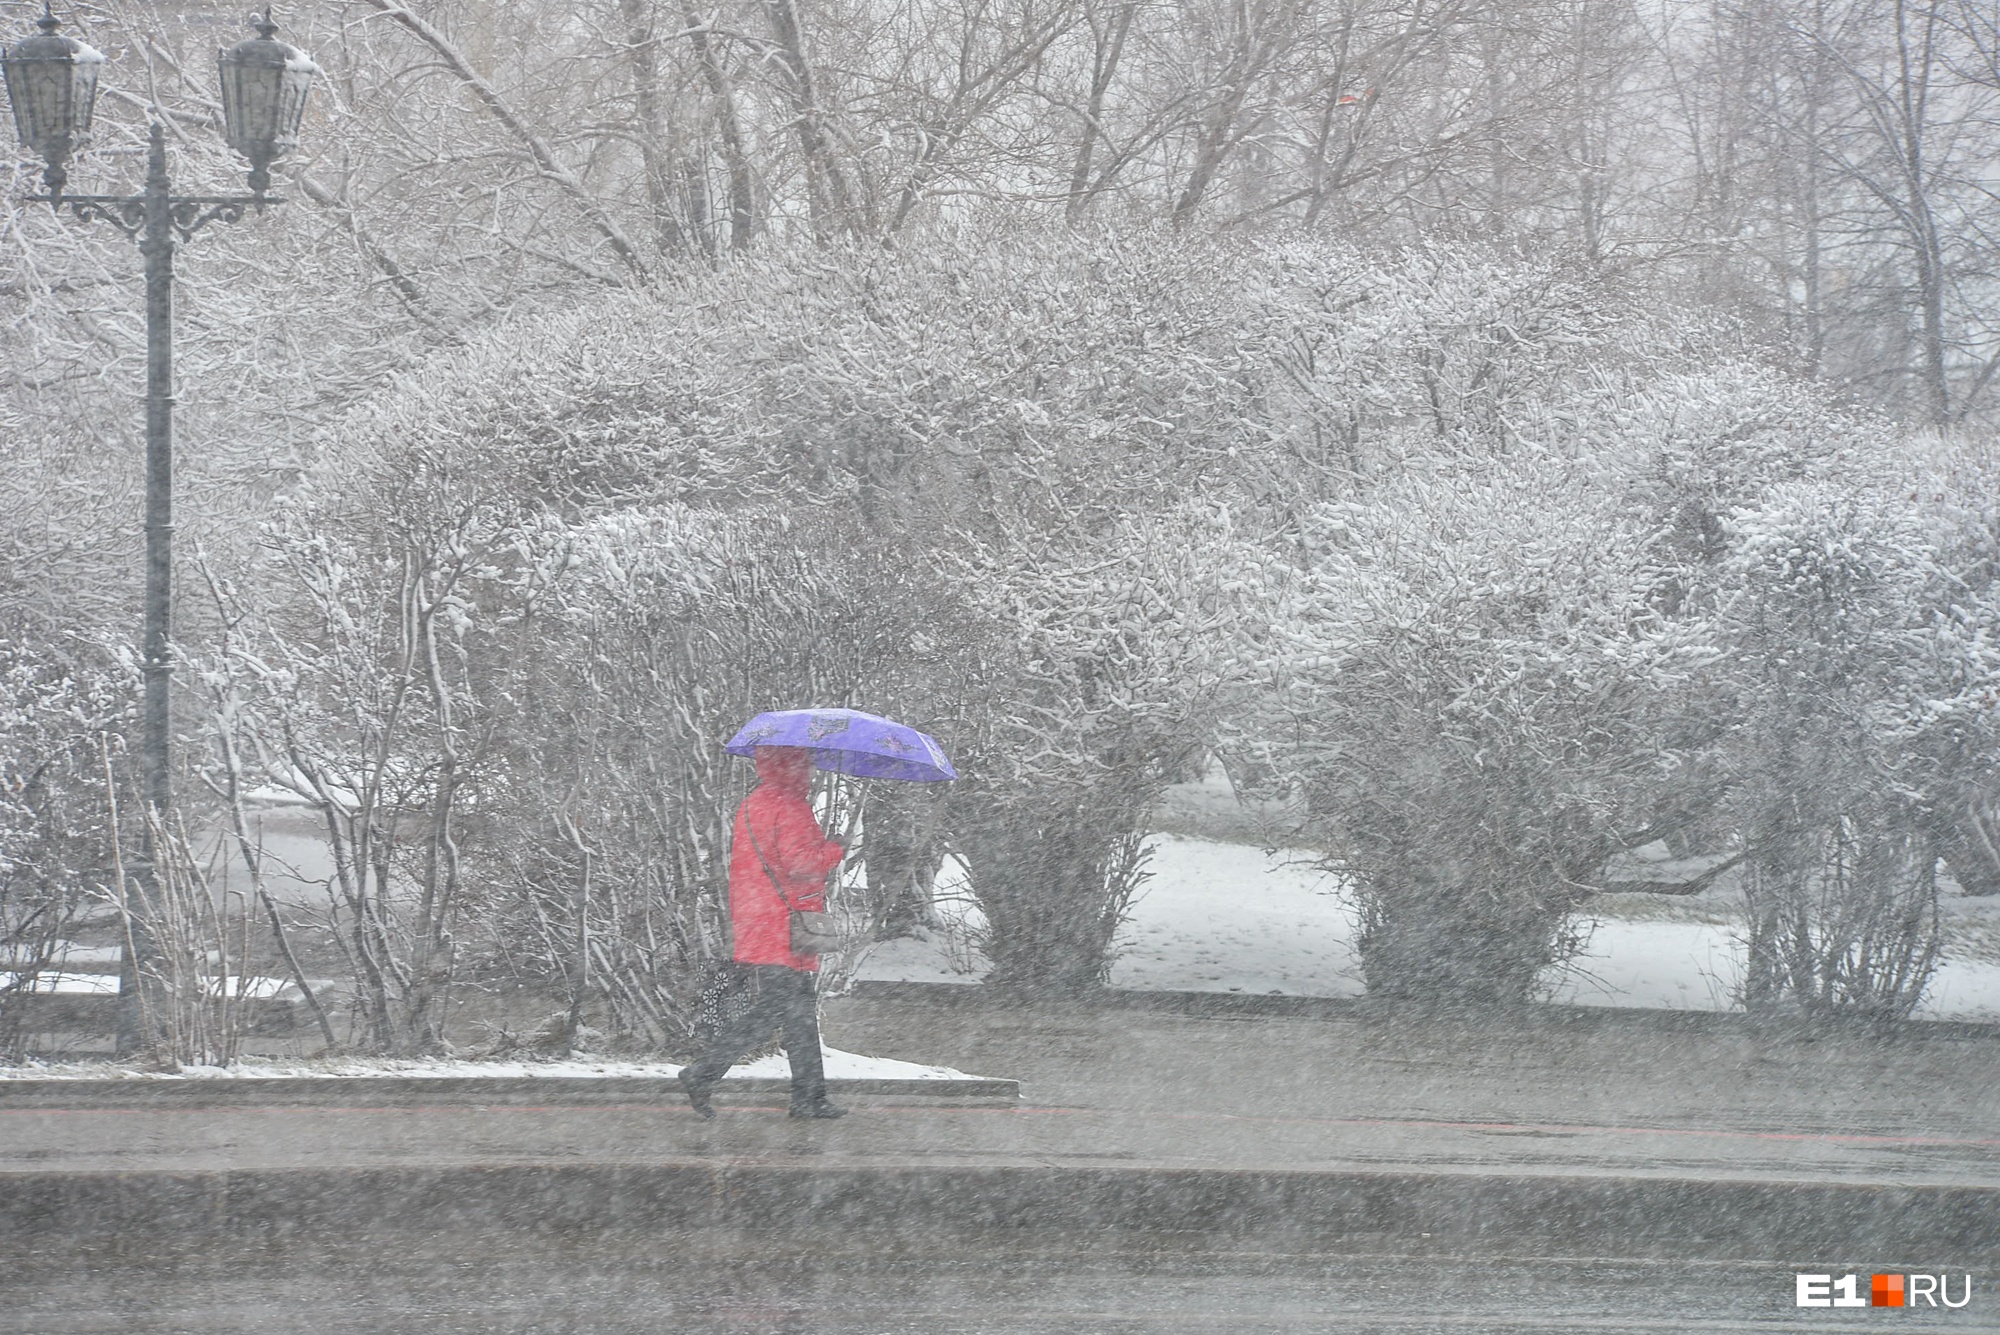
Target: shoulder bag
{"x":813,"y":932}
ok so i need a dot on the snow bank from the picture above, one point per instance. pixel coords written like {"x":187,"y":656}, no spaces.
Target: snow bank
{"x":839,"y":1066}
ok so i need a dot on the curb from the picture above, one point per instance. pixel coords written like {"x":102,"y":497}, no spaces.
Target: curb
{"x":1022,"y":1202}
{"x":1539,"y":1015}
{"x":474,"y":1091}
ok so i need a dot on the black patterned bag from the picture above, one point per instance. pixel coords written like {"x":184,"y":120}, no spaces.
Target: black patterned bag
{"x":730,"y":993}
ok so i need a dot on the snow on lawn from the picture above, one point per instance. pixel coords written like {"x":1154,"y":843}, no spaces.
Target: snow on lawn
{"x":1224,"y":917}
{"x":1963,"y":990}
{"x":1655,"y":965}
{"x":1214,"y":917}
{"x":850,"y":1066}
{"x":1699,"y":966}
{"x":839,"y":1066}
{"x":61,"y":983}
{"x":1233,"y":918}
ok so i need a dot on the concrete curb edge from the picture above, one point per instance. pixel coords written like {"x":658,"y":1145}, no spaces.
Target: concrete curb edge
{"x":1597,"y":1212}
{"x":325,"y":1091}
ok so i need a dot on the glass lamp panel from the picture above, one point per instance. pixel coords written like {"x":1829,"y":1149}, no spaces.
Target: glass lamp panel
{"x":291,"y":109}
{"x":264,"y":87}
{"x":52,"y":85}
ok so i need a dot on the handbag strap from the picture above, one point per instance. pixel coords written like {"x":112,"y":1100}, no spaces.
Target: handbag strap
{"x":776,"y":889}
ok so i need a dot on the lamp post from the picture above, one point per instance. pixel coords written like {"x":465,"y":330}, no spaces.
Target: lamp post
{"x":52,"y":83}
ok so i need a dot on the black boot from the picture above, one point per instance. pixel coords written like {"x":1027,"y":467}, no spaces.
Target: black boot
{"x":818,"y":1110}
{"x":697,"y":1092}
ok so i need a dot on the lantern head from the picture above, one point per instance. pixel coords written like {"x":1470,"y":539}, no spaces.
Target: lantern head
{"x":264,"y":87}
{"x":52,"y":84}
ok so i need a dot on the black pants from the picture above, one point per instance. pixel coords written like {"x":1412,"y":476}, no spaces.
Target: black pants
{"x":775,"y":998}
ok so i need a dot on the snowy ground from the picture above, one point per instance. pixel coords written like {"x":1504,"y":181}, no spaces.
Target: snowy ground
{"x":74,"y":984}
{"x":1230,"y":917}
{"x":839,"y":1066}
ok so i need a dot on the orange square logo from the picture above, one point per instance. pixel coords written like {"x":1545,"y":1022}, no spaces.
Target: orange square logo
{"x":1886,"y":1291}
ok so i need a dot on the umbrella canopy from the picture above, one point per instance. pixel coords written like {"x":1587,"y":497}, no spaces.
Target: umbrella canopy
{"x":847,"y":741}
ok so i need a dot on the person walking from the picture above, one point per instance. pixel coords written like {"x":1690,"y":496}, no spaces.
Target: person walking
{"x":779,"y":859}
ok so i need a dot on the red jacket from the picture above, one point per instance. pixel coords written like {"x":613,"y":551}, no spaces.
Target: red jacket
{"x":779,"y":814}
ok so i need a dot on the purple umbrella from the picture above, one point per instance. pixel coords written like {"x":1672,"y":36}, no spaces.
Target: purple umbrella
{"x":848,"y":741}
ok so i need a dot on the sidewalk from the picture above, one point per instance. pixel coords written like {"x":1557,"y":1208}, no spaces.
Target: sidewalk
{"x":1153,"y":1114}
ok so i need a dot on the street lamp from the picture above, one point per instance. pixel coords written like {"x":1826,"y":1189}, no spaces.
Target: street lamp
{"x":52,"y":82}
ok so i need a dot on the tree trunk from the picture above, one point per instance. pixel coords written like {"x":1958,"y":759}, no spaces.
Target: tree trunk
{"x":826,"y":186}
{"x":1108,"y":49}
{"x":639,"y":48}
{"x":722,"y":101}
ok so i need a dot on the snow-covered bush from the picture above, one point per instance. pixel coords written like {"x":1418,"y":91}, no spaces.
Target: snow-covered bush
{"x":62,"y":709}
{"x":1959,"y":479}
{"x":1483,"y":507}
{"x":364,"y":671}
{"x":1472,"y":647}
{"x":1100,"y":673}
{"x":1472,"y":686}
{"x":1711,"y":607}
{"x":505,"y":688}
{"x":1862,"y":620}
{"x":993,"y":384}
{"x":1513,"y":628}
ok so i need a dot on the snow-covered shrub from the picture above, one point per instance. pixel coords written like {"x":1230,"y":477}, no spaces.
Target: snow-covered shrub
{"x":1862,"y":622}
{"x":993,"y":384}
{"x":1473,"y":649}
{"x":506,"y":694}
{"x":1482,"y":503}
{"x":365,"y":672}
{"x":1957,"y":486}
{"x":1696,"y":602}
{"x":62,"y":709}
{"x":1472,"y":686}
{"x":1508,"y":634}
{"x":1099,"y":672}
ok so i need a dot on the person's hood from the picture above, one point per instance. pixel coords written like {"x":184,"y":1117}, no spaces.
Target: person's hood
{"x":786,"y":768}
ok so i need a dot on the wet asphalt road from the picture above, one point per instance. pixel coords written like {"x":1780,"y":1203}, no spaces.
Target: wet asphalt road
{"x":612,"y":1285}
